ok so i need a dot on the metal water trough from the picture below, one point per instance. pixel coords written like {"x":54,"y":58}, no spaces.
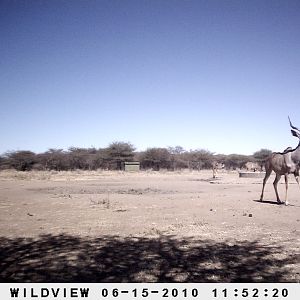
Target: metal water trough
{"x":252,"y":174}
{"x":131,"y":166}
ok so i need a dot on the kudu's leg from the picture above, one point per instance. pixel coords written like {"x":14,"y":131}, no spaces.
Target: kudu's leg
{"x":275,"y":183}
{"x":214,"y":172}
{"x":297,"y":179}
{"x":286,"y":179}
{"x":268,"y":173}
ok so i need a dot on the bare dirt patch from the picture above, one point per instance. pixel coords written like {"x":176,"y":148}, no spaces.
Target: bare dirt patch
{"x":148,"y":226}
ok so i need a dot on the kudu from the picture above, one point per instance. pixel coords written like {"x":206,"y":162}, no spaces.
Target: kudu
{"x":283,"y":163}
{"x":215,"y":167}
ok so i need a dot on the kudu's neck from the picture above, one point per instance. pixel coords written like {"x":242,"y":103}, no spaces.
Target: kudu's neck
{"x":296,"y":154}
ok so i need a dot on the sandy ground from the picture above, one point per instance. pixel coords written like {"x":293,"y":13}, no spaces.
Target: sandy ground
{"x":147,"y":226}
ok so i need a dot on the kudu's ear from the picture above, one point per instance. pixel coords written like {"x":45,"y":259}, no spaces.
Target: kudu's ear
{"x":295,"y":131}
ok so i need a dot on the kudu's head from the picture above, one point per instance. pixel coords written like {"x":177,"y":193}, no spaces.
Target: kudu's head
{"x":295,"y":131}
{"x":295,"y":153}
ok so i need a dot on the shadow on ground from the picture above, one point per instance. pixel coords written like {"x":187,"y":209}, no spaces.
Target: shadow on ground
{"x":274,"y":202}
{"x":65,"y":258}
{"x":268,"y":202}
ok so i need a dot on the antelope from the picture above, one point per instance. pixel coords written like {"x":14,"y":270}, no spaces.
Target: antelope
{"x":215,"y":167}
{"x":283,"y":163}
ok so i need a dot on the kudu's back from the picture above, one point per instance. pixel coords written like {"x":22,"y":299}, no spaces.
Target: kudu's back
{"x":277,"y":163}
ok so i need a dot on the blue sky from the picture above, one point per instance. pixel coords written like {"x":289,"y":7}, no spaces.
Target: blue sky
{"x":216,"y":75}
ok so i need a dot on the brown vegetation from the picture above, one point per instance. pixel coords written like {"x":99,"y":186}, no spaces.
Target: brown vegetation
{"x":114,"y":156}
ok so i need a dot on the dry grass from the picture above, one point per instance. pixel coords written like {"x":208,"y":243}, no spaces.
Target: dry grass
{"x":85,"y":174}
{"x":55,"y":175}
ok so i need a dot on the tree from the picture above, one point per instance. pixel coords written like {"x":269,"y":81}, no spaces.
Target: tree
{"x":4,"y":163}
{"x":176,"y":155}
{"x":21,"y":160}
{"x":55,"y":159}
{"x":261,"y":156}
{"x":236,"y":161}
{"x":81,"y":158}
{"x":176,"y":150}
{"x":118,"y":153}
{"x":199,"y":159}
{"x":156,"y":158}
